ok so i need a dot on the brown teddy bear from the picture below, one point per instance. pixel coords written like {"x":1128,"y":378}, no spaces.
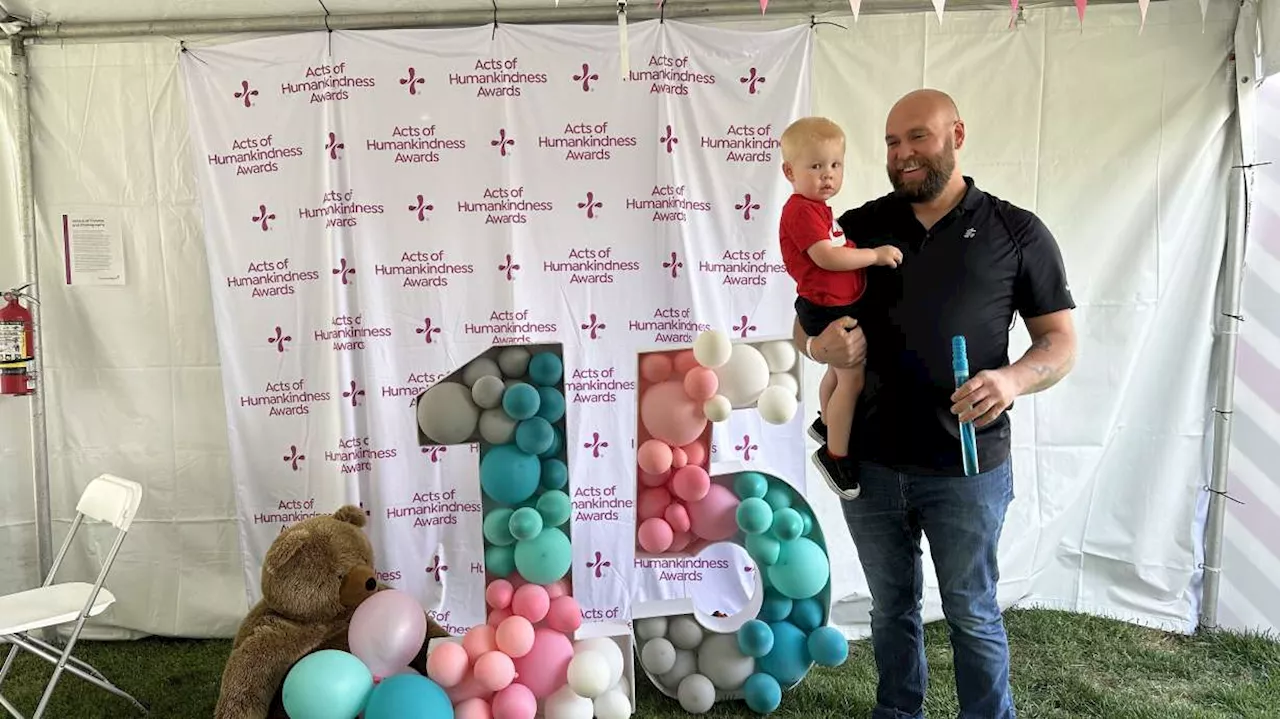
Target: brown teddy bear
{"x":315,"y":575}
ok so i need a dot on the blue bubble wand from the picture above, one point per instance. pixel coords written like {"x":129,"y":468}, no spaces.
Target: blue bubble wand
{"x":968,"y":440}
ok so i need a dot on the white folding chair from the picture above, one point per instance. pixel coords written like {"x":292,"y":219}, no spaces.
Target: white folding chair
{"x":107,"y":499}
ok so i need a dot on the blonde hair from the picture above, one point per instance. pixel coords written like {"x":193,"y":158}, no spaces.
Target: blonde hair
{"x":807,"y":132}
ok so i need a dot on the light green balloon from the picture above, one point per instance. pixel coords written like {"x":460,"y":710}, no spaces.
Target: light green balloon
{"x":544,"y":558}
{"x":496,"y":527}
{"x":525,"y":523}
{"x":555,"y":508}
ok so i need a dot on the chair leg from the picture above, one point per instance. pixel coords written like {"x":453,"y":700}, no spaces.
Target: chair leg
{"x":8,"y":662}
{"x":96,"y":678}
{"x":70,"y":660}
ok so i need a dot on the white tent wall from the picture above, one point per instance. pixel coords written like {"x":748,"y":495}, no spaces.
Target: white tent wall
{"x":17,"y":500}
{"x":1110,"y":465}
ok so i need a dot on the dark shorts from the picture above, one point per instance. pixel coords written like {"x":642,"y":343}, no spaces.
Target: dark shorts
{"x":814,"y":318}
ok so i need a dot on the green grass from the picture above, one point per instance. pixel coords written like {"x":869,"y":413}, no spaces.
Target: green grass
{"x":1064,"y":665}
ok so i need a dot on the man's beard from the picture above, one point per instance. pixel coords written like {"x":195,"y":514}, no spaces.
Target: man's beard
{"x":937,"y":171}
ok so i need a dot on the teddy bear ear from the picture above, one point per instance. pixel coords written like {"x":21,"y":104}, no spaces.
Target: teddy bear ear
{"x":285,"y":546}
{"x":350,"y":514}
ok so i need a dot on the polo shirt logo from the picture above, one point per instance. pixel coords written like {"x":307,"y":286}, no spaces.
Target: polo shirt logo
{"x":837,"y":235}
{"x":970,"y":233}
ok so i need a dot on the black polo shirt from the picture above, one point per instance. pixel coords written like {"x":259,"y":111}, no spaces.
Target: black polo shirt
{"x":967,"y":275}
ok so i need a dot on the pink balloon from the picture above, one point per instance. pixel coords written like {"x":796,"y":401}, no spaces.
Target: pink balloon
{"x":678,"y":517}
{"x":498,"y":616}
{"x":387,"y":631}
{"x":515,"y":702}
{"x":691,"y":483}
{"x":654,"y":456}
{"x":473,"y":709}
{"x":654,"y":480}
{"x":652,"y":503}
{"x":447,"y":664}
{"x":655,"y":535}
{"x":565,"y":614}
{"x":680,"y":542}
{"x":696,"y":452}
{"x":670,"y":415}
{"x":531,"y":602}
{"x":498,"y":593}
{"x":515,"y":636}
{"x":701,"y":384}
{"x":558,"y":588}
{"x":478,"y":640}
{"x":678,"y":458}
{"x":546,"y":667}
{"x":655,"y":367}
{"x":495,"y":671}
{"x":468,"y":688}
{"x":684,"y":362}
{"x":714,"y":517}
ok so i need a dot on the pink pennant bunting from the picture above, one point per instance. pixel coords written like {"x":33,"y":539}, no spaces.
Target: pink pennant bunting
{"x":854,"y":6}
{"x":1080,"y":4}
{"x":763,"y":4}
{"x":1142,"y":11}
{"x":1013,"y":14}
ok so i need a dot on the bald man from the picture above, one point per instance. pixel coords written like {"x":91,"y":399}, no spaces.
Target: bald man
{"x":970,"y":262}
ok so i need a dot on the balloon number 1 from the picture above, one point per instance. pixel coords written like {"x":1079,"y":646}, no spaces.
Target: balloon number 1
{"x":523,"y":658}
{"x":682,"y":511}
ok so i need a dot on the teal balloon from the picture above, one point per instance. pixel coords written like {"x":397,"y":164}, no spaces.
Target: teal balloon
{"x":750,"y":484}
{"x":762,"y":693}
{"x":408,"y":696}
{"x":535,"y":435}
{"x":555,"y":507}
{"x":552,"y":404}
{"x":754,"y":516}
{"x":806,"y":614}
{"x":508,"y":475}
{"x":808,"y":522}
{"x":555,"y":473}
{"x":545,"y":368}
{"x":828,"y":647}
{"x":328,"y":684}
{"x":763,"y":548}
{"x":775,"y":607}
{"x":802,"y":569}
{"x":497,"y":527}
{"x":557,"y":444}
{"x":499,"y":561}
{"x":520,"y":401}
{"x":755,"y":639}
{"x":778,"y":497}
{"x":545,"y":558}
{"x":788,"y":660}
{"x":787,"y":524}
{"x":525,"y":523}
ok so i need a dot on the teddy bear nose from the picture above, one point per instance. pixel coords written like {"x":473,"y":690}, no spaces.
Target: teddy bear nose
{"x":370,"y":584}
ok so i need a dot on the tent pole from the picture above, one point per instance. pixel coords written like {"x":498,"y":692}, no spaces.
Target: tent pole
{"x":26,"y":226}
{"x":1228,"y":321}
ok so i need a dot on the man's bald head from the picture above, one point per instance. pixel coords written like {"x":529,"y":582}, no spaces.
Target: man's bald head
{"x":922,"y":133}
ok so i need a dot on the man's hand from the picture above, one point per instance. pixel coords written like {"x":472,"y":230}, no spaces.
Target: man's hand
{"x":888,"y":256}
{"x":841,"y":344}
{"x":984,"y":397}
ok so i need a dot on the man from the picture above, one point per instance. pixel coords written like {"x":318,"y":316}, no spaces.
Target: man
{"x":970,"y":261}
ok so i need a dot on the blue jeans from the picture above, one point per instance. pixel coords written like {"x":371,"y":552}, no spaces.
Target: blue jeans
{"x":962,"y":518}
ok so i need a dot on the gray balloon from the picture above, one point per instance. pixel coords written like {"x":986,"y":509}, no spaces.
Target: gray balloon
{"x":487,"y":391}
{"x":477,"y":368}
{"x":447,"y":414}
{"x":514,"y":361}
{"x":496,"y":427}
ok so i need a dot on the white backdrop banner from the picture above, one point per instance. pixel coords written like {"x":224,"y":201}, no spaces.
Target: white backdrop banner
{"x":381,"y":207}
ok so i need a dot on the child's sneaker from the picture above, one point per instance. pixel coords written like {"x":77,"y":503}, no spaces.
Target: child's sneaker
{"x":818,"y":430}
{"x":841,"y":476}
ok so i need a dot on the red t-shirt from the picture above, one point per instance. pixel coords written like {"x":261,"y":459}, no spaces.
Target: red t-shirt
{"x":804,"y":222}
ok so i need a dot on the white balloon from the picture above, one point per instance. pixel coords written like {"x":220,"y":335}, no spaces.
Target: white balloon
{"x":780,"y":355}
{"x":479,"y":367}
{"x":744,"y":376}
{"x":564,"y":704}
{"x":712,"y":348}
{"x":684,"y":632}
{"x":686,"y":663}
{"x":650,"y":628}
{"x":777,"y":405}
{"x":613,"y":704}
{"x":658,"y":656}
{"x":589,"y":674}
{"x":721,"y":661}
{"x":785,"y":379}
{"x":696,"y":694}
{"x":606,"y":649}
{"x":717,"y":409}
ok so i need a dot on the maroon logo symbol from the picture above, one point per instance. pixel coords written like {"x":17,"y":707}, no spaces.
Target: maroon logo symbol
{"x":593,"y":326}
{"x":670,"y":139}
{"x":343,"y":270}
{"x":433,"y":453}
{"x":674,"y":264}
{"x":509,"y":267}
{"x":747,"y":206}
{"x":333,"y":146}
{"x":746,"y":448}
{"x":280,"y":339}
{"x":599,"y":564}
{"x":354,"y":394}
{"x":263,"y":217}
{"x":590,"y":205}
{"x":412,"y":81}
{"x":752,"y":80}
{"x":586,"y":77}
{"x":427,"y":330}
{"x":246,"y":93}
{"x":437,"y":568}
{"x":422,"y":208}
{"x":744,"y":326}
{"x":595,"y":445}
{"x":367,"y":513}
{"x":293,"y":457}
{"x":502,"y":142}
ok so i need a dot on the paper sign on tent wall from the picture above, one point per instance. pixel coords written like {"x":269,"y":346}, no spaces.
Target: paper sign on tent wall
{"x":92,"y":247}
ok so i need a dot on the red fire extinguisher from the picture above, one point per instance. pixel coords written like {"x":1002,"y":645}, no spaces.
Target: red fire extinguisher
{"x":17,"y":344}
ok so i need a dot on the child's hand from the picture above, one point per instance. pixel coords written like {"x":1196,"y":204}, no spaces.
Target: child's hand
{"x":888,"y":256}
